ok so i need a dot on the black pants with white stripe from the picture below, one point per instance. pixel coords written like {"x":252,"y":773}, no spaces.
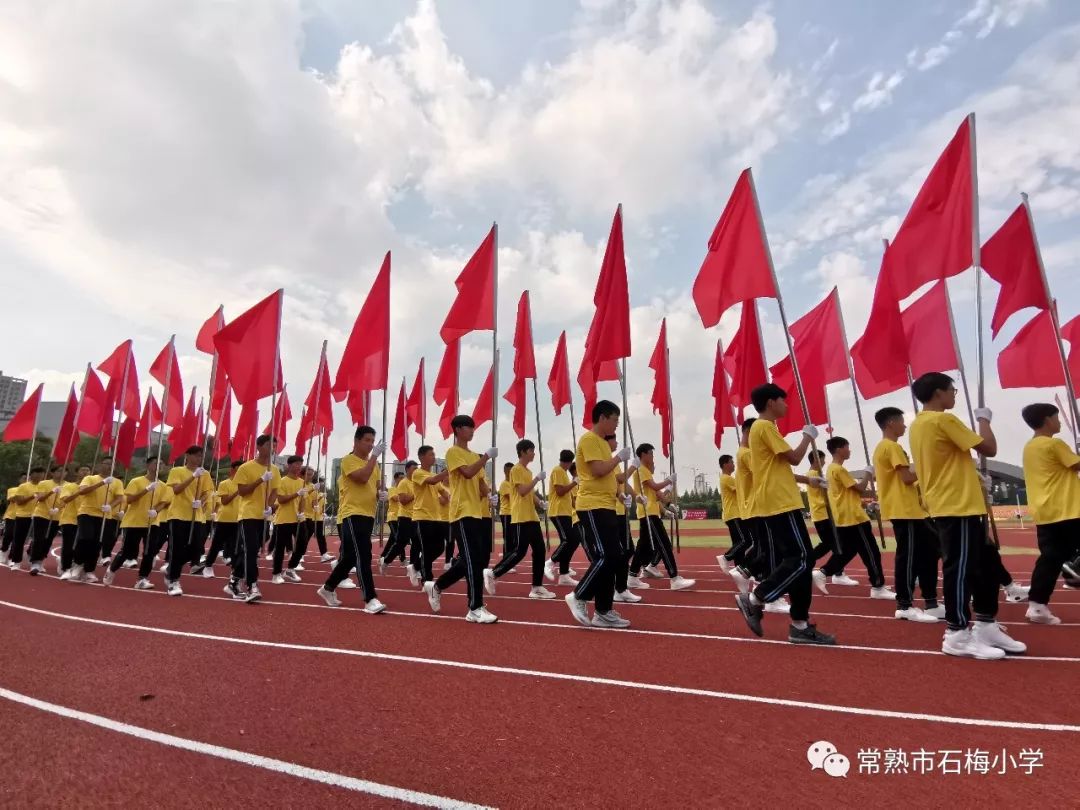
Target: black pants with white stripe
{"x":569,"y":540}
{"x":22,"y":534}
{"x":826,"y":533}
{"x":762,"y":559}
{"x":971,"y":570}
{"x":158,"y":537}
{"x":429,"y":538}
{"x":474,"y":546}
{"x":88,"y":541}
{"x":741,"y":541}
{"x":304,"y":529}
{"x":1058,"y":543}
{"x":600,"y":531}
{"x":245,"y":564}
{"x":67,"y":545}
{"x":652,"y":539}
{"x":320,"y":535}
{"x":856,"y":540}
{"x":355,"y":553}
{"x":508,"y":534}
{"x":42,"y":532}
{"x":131,"y":540}
{"x":786,"y":534}
{"x":181,"y":538}
{"x":917,"y":556}
{"x":400,"y":536}
{"x":223,"y":542}
{"x":627,"y":544}
{"x":526,"y":537}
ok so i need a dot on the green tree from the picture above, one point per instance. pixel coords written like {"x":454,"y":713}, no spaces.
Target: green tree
{"x":15,"y":455}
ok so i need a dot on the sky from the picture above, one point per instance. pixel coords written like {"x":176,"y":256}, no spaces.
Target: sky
{"x":159,"y":159}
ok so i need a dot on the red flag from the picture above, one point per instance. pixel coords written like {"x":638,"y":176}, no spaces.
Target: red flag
{"x":279,"y":419}
{"x":821,"y":331}
{"x":92,"y":413}
{"x":935,"y":239}
{"x":416,"y":406}
{"x":1031,"y":359}
{"x":204,"y":341}
{"x":559,"y":377}
{"x":125,"y":442}
{"x":223,"y":436}
{"x":524,"y":364}
{"x":23,"y":424}
{"x":243,"y":442}
{"x":485,"y":402}
{"x":220,"y":392}
{"x":1071,"y":332}
{"x":248,"y":350}
{"x":744,"y":358}
{"x":149,"y":419}
{"x":1011,"y":258}
{"x":359,"y":405}
{"x":661,"y":393}
{"x":446,"y":385}
{"x":365,"y":362}
{"x":114,"y":366}
{"x":166,"y":371}
{"x":399,"y":441}
{"x":318,"y":414}
{"x":928,"y":329}
{"x":723,"y":416}
{"x":200,"y":426}
{"x":879,"y":356}
{"x":182,"y":436}
{"x":736,"y":268}
{"x":66,"y":436}
{"x":517,"y":397}
{"x":474,"y":307}
{"x":813,"y":385}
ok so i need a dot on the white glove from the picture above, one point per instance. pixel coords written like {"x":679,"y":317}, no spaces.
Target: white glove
{"x":304,"y":491}
{"x":624,"y":454}
{"x":543,"y":505}
{"x":810,"y":431}
{"x":674,"y":481}
{"x":54,"y":511}
{"x":268,"y":476}
{"x":120,"y":514}
{"x":575,"y":481}
{"x":106,"y":508}
{"x":198,"y":472}
{"x":268,"y":512}
{"x":628,"y":501}
{"x":820,"y":483}
{"x":378,"y":449}
{"x":382,"y":496}
{"x":492,"y":453}
{"x":196,"y":504}
{"x":538,"y":477}
{"x":108,"y":479}
{"x":632,"y":465}
{"x":152,"y":514}
{"x":984,"y":413}
{"x":56,"y":491}
{"x":494,"y":500}
{"x":151,"y":486}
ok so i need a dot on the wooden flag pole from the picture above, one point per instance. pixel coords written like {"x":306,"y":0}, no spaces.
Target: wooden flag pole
{"x":494,"y":373}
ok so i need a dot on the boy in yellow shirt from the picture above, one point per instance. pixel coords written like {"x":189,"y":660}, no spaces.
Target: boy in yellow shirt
{"x":135,"y":526}
{"x":652,"y":534}
{"x":953,"y":493}
{"x":257,"y":482}
{"x":505,"y":488}
{"x":44,"y":522}
{"x":777,"y":504}
{"x":69,"y":517}
{"x":9,"y":521}
{"x":100,"y":495}
{"x":161,"y":499}
{"x":425,"y":510}
{"x":290,"y":493}
{"x":190,"y":485}
{"x":729,"y":513}
{"x":226,"y":520}
{"x":817,"y":497}
{"x":561,"y":486}
{"x":26,"y":500}
{"x":1053,"y":492}
{"x":395,"y":548}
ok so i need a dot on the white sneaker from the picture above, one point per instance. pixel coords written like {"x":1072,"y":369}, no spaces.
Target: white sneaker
{"x":269,"y":556}
{"x":413,"y":575}
{"x":1040,"y":614}
{"x":652,"y":571}
{"x":481,"y":616}
{"x":540,"y":592}
{"x":938,"y":612}
{"x":579,"y":609}
{"x":104,"y":561}
{"x":843,"y":579}
{"x":434,"y":597}
{"x":627,"y":596}
{"x":963,"y":645}
{"x":993,"y":634}
{"x":609,"y":619}
{"x":278,"y":579}
{"x":374,"y":606}
{"x":299,"y":567}
{"x":325,"y":558}
{"x":329,"y":597}
{"x":680,"y":583}
{"x":253,"y":595}
{"x":489,"y":582}
{"x":89,"y":579}
{"x":819,"y":580}
{"x":566,"y":579}
{"x":144,"y":585}
{"x":1016,"y":593}
{"x":74,"y":574}
{"x":208,"y":572}
{"x":347,"y":584}
{"x":741,"y":582}
{"x":913,"y":614}
{"x":108,"y":577}
{"x":722,"y":561}
{"x":572,"y":572}
{"x":164,"y":567}
{"x":382,"y":567}
{"x":175,"y":589}
{"x":549,"y":570}
{"x":779,"y":606}
{"x":291,"y":575}
{"x":637,"y":583}
{"x":130,"y":564}
{"x":882,"y":593}
{"x":4,"y":557}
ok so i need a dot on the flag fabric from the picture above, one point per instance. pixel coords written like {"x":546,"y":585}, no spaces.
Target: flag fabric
{"x":320,"y":411}
{"x":204,"y":340}
{"x":113,"y":366}
{"x":149,"y":419}
{"x":219,"y":393}
{"x":736,"y":267}
{"x":223,"y":436}
{"x":517,"y":396}
{"x":200,"y":426}
{"x":279,"y":418}
{"x":524,"y":364}
{"x":248,"y":350}
{"x":1031,"y":359}
{"x":484,"y":408}
{"x":67,"y":435}
{"x":820,"y":331}
{"x":23,"y":424}
{"x":744,"y":358}
{"x":559,"y":377}
{"x":358,"y":403}
{"x":723,"y":415}
{"x":588,"y":377}
{"x":93,"y":412}
{"x":810,"y":372}
{"x":935,"y":239}
{"x":1011,"y":258}
{"x":166,"y":370}
{"x":243,"y":440}
{"x":125,"y":442}
{"x":474,"y":306}
{"x":365,"y":363}
{"x":661,"y":393}
{"x":879,"y":356}
{"x":182,"y":436}
{"x":416,"y":405}
{"x":928,"y":330}
{"x":446,"y":385}
{"x":399,"y":440}
{"x":1071,"y":332}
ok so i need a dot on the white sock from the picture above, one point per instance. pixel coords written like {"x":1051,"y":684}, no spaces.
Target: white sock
{"x":754,"y":600}
{"x":799,"y":625}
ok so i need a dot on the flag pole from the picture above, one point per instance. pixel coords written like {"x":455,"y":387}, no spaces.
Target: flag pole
{"x":907,"y":366}
{"x":573,"y":423}
{"x":1070,"y":388}
{"x":213,"y":376}
{"x":380,"y":506}
{"x":731,"y":405}
{"x":273,"y":411}
{"x":976,"y":248}
{"x":494,"y":368}
{"x":539,"y":436}
{"x":628,"y":432}
{"x":116,"y":434}
{"x":671,"y":445}
{"x":164,"y":409}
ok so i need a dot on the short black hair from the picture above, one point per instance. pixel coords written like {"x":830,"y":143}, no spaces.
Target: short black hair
{"x":604,"y":408}
{"x":726,"y":459}
{"x":37,"y":470}
{"x":235,"y":464}
{"x":55,"y":468}
{"x":362,"y":431}
{"x":423,"y":449}
{"x":293,"y":459}
{"x":748,"y":423}
{"x":835,"y":443}
{"x":883,"y":416}
{"x":508,"y":466}
{"x":151,"y":458}
{"x":524,"y":446}
{"x":262,"y":440}
{"x":105,"y":457}
{"x":462,"y":420}
{"x":929,"y":383}
{"x":817,"y":455}
{"x":761,"y":395}
{"x":398,"y":475}
{"x":566,"y":456}
{"x":643,"y":448}
{"x":194,"y":450}
{"x":1036,"y":414}
{"x":410,"y":464}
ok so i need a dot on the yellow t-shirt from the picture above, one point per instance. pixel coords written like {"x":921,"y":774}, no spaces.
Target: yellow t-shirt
{"x":465,"y":500}
{"x":228,"y":512}
{"x":91,"y":503}
{"x":595,"y":493}
{"x":574,"y":520}
{"x":1053,"y":487}
{"x":729,"y":498}
{"x":405,"y":487}
{"x":845,"y":500}
{"x":941,"y":446}
{"x":504,"y":498}
{"x":288,"y":512}
{"x":357,"y":499}
{"x":248,"y":473}
{"x":774,"y":491}
{"x":182,"y":508}
{"x":620,"y":497}
{"x":135,"y":516}
{"x":559,"y":505}
{"x":42,"y":507}
{"x":744,"y":480}
{"x":652,"y":502}
{"x":425,"y":504}
{"x":162,"y":502}
{"x":522,"y":507}
{"x":69,"y":512}
{"x":392,"y":503}
{"x":9,"y":511}
{"x":26,"y":488}
{"x":899,"y":501}
{"x":444,"y":508}
{"x":320,"y":506}
{"x":816,"y":498}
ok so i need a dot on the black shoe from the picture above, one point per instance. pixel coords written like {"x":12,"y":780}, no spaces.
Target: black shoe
{"x":751,"y":612}
{"x":809,"y":635}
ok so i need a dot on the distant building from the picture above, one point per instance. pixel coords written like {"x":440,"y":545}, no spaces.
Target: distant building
{"x":12,"y":394}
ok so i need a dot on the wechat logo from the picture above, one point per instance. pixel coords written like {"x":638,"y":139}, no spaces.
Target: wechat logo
{"x":824,"y":756}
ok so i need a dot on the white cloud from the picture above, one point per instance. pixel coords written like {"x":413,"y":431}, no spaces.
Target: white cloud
{"x":878,"y":91}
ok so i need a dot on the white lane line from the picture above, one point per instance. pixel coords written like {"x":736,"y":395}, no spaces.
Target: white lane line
{"x":570,"y":677}
{"x":242,"y":757}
